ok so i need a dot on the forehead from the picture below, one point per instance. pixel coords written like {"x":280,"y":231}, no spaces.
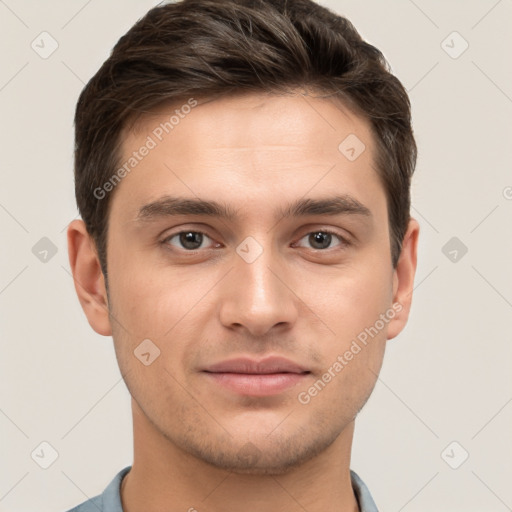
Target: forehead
{"x":253,"y":147}
{"x":252,"y":119}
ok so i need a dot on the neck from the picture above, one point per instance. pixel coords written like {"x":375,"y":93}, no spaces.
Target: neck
{"x":164,"y":477}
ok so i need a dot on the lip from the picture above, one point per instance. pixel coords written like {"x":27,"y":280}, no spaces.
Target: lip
{"x":264,"y":377}
{"x":267,"y":365}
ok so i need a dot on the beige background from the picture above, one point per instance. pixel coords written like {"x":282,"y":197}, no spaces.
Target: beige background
{"x":446,"y":378}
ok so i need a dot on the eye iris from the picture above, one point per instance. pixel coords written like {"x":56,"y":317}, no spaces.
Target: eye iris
{"x":191,"y":240}
{"x":324,"y":239}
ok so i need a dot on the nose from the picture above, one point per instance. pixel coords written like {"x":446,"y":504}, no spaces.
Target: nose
{"x":258,"y":296}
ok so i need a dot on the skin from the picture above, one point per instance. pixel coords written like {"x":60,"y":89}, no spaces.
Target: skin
{"x":255,"y":153}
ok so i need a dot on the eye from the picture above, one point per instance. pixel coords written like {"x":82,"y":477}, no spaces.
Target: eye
{"x":322,"y":239}
{"x":188,"y":240}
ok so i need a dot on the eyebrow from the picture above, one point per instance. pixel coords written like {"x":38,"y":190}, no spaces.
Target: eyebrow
{"x":169,"y":206}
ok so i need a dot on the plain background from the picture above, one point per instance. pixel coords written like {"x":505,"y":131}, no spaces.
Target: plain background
{"x":446,"y":378}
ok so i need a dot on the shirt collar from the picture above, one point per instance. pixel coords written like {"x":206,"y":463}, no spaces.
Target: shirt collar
{"x":111,"y":497}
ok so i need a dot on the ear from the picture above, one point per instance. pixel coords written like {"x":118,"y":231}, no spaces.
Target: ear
{"x":403,"y":280}
{"x":88,"y":277}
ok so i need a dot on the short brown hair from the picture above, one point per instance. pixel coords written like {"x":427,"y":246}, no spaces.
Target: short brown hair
{"x":206,"y":48}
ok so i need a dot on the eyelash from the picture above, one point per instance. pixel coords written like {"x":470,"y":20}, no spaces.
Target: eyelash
{"x":344,"y":242}
{"x":166,"y":240}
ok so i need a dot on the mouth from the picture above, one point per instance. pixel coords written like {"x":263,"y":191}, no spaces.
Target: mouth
{"x":250,"y":377}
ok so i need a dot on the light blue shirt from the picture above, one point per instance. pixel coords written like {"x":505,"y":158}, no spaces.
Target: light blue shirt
{"x":110,"y":499}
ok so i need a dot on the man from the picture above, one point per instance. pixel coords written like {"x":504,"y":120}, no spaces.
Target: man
{"x":243,"y":170}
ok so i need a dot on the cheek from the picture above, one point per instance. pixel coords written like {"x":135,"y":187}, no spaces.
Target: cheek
{"x":351,"y":298}
{"x":141,"y":298}
{"x":166,"y":306}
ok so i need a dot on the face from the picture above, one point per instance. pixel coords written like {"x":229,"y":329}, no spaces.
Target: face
{"x":253,"y":256}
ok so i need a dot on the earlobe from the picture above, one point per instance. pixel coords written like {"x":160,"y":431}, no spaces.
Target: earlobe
{"x":403,"y":279}
{"x":88,"y":277}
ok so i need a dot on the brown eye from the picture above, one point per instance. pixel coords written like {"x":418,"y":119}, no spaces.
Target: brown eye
{"x":189,"y":240}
